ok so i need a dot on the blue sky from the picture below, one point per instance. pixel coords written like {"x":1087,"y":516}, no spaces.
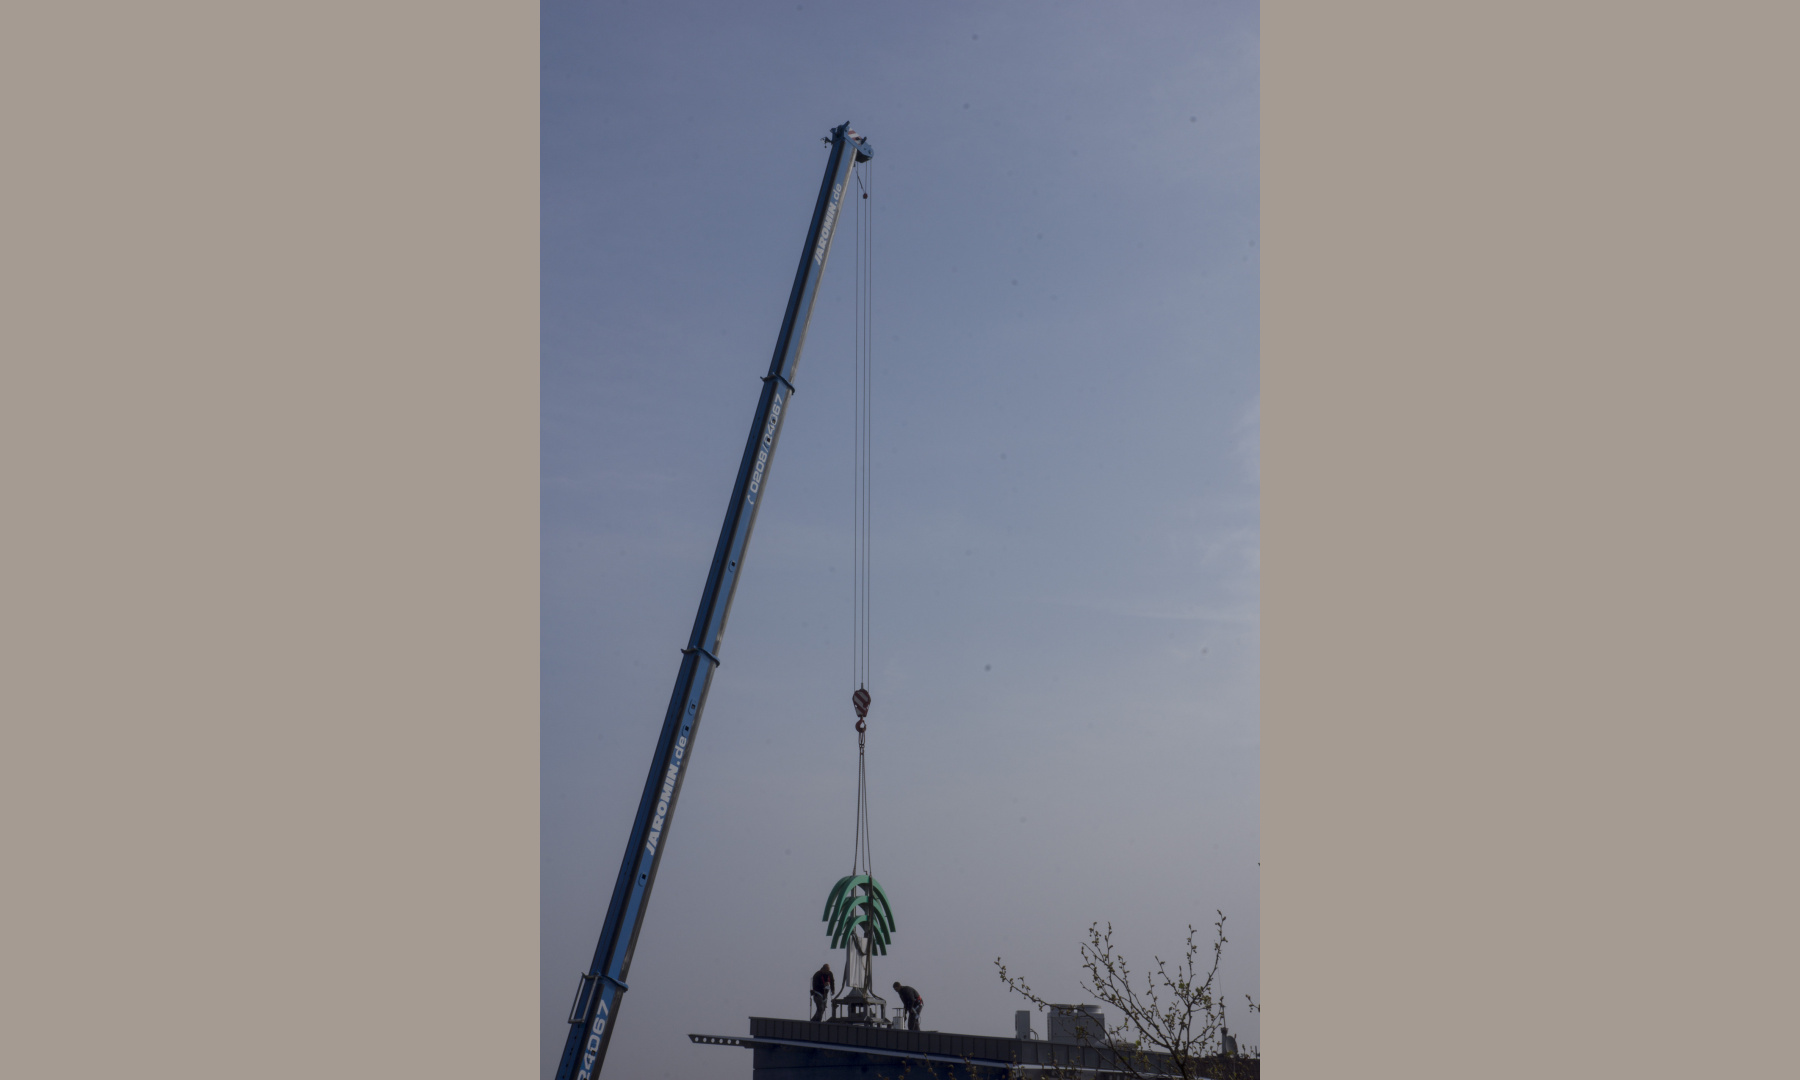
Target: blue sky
{"x":1066,"y":497}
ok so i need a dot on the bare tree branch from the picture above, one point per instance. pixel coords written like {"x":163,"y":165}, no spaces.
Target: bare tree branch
{"x":1171,"y":1020}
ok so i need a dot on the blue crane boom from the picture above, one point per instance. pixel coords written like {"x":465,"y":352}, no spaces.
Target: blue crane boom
{"x":596,"y":1007}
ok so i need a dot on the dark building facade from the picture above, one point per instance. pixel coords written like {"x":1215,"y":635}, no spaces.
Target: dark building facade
{"x":803,"y":1050}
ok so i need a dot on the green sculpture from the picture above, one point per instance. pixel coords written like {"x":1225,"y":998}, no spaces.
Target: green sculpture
{"x":858,"y":900}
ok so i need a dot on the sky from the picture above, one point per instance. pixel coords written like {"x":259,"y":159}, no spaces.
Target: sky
{"x":1065,"y":522}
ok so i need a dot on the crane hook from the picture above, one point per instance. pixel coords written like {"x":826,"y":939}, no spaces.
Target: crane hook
{"x":860,"y":699}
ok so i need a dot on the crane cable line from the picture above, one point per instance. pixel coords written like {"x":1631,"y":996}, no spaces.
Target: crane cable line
{"x":862,"y":459}
{"x":864,"y":413}
{"x":857,"y":902}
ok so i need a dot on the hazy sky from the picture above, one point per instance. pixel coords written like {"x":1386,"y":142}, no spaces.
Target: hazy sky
{"x":1065,"y":586}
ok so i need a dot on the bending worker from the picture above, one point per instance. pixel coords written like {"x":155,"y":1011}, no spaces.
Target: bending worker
{"x":912,"y":1001}
{"x":823,"y":985}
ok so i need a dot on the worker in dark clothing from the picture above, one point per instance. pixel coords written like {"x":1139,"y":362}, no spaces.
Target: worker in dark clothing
{"x":912,"y":1001}
{"x":823,"y":985}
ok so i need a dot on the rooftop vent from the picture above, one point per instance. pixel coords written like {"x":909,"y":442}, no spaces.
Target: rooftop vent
{"x":1084,"y":1025}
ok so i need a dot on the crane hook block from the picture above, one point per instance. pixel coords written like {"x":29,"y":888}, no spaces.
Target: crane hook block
{"x":860,"y":699}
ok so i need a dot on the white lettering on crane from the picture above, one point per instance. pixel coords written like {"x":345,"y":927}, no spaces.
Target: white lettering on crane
{"x":593,"y":1043}
{"x":837,"y":190}
{"x":665,"y":796}
{"x":762,"y":456}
